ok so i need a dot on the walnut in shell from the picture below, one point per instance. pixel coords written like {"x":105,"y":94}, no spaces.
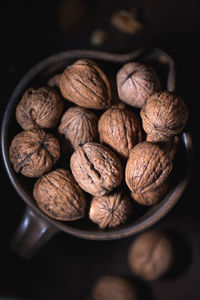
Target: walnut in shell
{"x":59,"y":196}
{"x":150,"y":255}
{"x":148,"y":167}
{"x":150,"y":198}
{"x":79,"y":125}
{"x":165,"y":114}
{"x":120,"y":129}
{"x":85,"y":84}
{"x":113,"y":287}
{"x":96,"y":169}
{"x":136,"y":82}
{"x":110,"y":210}
{"x":41,"y":108}
{"x":34,"y":152}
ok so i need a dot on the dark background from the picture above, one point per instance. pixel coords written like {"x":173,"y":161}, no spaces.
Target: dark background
{"x":67,"y":267}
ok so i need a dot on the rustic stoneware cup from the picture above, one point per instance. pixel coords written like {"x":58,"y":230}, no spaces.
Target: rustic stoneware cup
{"x":36,"y":228}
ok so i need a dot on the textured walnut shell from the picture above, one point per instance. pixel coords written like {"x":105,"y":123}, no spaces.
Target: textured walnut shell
{"x":59,"y":196}
{"x":164,"y":115}
{"x":150,"y":255}
{"x":113,"y":288}
{"x":34,"y":152}
{"x":148,"y":167}
{"x":111,"y":210}
{"x":79,"y":126}
{"x":96,"y":169}
{"x":151,"y":197}
{"x":120,"y":129}
{"x":85,"y":84}
{"x":41,"y":108}
{"x":136,"y":82}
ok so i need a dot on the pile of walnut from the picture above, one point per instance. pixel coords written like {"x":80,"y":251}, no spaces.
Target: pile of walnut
{"x":117,"y":156}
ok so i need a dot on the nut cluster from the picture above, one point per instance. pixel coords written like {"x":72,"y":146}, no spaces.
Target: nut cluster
{"x":120,"y":153}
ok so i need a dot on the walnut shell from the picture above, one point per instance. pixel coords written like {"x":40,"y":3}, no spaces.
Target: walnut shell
{"x":111,"y":210}
{"x":96,"y":169}
{"x":85,"y":84}
{"x":148,"y":167}
{"x":41,"y":108}
{"x":150,"y":198}
{"x":113,"y":287}
{"x":59,"y":196}
{"x":150,"y":255}
{"x":79,"y":125}
{"x":120,"y":129}
{"x":165,"y":114}
{"x":136,"y":82}
{"x":34,"y":152}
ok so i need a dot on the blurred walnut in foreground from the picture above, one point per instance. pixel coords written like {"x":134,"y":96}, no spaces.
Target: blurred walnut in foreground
{"x":79,"y":125}
{"x":113,"y":288}
{"x":136,"y":82}
{"x":86,"y":85}
{"x":34,"y":152}
{"x":111,"y":210}
{"x":120,"y":129}
{"x":150,"y":255}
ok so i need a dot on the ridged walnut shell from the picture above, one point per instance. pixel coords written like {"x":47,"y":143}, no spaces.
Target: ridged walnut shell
{"x":96,"y":169}
{"x":165,"y":114}
{"x":34,"y":152}
{"x":79,"y":125}
{"x":85,"y":84}
{"x":150,"y":255}
{"x":151,"y":197}
{"x":136,"y":82}
{"x":59,"y":196}
{"x":148,"y":167}
{"x":113,"y":288}
{"x":120,"y":129}
{"x":41,"y":108}
{"x":111,"y":210}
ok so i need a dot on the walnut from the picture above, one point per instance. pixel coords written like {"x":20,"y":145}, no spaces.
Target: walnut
{"x":120,"y":129}
{"x":111,"y":210}
{"x":148,"y":167}
{"x":165,"y":114}
{"x":54,"y":81}
{"x":126,"y":21}
{"x":136,"y":82}
{"x":41,"y":108}
{"x":59,"y":196}
{"x":34,"y":152}
{"x":98,"y":37}
{"x":79,"y":125}
{"x":85,"y":84}
{"x":150,"y":255}
{"x":151,"y":197}
{"x":96,"y":169}
{"x":113,"y":287}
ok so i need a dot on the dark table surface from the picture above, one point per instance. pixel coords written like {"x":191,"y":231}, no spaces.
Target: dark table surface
{"x":67,"y":267}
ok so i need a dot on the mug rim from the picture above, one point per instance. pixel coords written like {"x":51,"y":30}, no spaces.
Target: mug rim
{"x":144,"y":222}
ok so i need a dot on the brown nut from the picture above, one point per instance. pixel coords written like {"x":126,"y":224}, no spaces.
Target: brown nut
{"x":41,"y":108}
{"x":148,"y":167}
{"x":120,"y":129}
{"x":59,"y":196}
{"x":165,"y":114}
{"x":79,"y":125}
{"x":96,"y":169}
{"x":136,"y":82}
{"x":111,"y":210}
{"x":150,"y":255}
{"x":85,"y":84}
{"x":34,"y":152}
{"x":150,"y":198}
{"x":113,"y":287}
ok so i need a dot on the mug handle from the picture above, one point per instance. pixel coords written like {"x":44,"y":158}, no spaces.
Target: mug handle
{"x":32,"y":234}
